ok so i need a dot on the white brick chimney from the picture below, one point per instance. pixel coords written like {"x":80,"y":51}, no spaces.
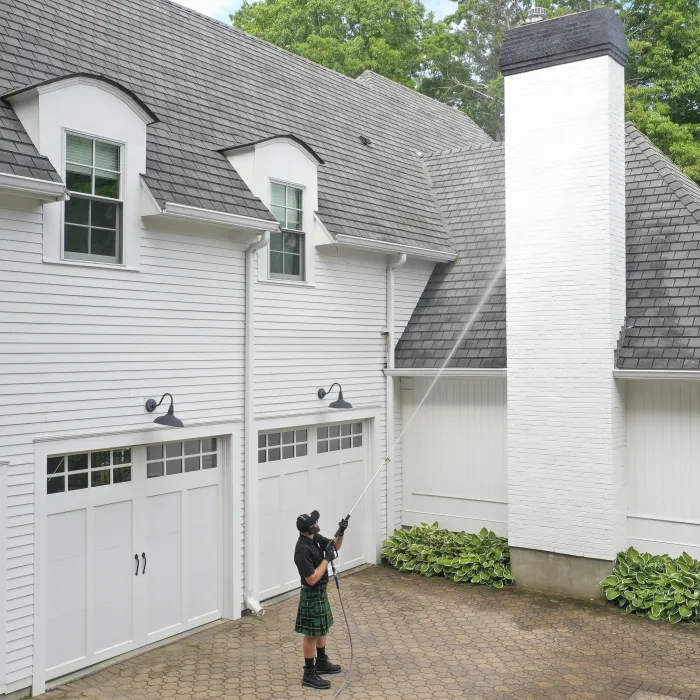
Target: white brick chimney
{"x":565,"y":276}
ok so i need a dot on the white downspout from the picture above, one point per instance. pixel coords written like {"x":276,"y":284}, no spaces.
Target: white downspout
{"x":391,"y":344}
{"x":250,"y":472}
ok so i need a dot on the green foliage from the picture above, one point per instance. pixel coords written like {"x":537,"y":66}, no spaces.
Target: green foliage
{"x":657,"y":587}
{"x":429,"y":550}
{"x":349,"y":36}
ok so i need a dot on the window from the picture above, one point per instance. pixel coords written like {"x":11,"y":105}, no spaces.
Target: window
{"x":339,"y":437}
{"x":178,"y":457}
{"x":287,"y":246}
{"x":93,"y":214}
{"x":285,"y":444}
{"x":87,"y":470}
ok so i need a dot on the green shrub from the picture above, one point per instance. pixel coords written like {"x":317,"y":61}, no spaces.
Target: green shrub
{"x":658,"y":587}
{"x":432,"y":551}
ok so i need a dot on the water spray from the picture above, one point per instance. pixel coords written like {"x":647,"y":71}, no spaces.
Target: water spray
{"x":467,"y":327}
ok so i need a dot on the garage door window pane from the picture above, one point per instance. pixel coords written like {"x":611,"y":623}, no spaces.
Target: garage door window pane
{"x":192,"y":447}
{"x":345,"y":429}
{"x":99,"y":459}
{"x":273,"y":454}
{"x":192,"y":464}
{"x":322,"y":433}
{"x":154,"y":469}
{"x":208,"y":461}
{"x":173,"y":449}
{"x":288,"y":437}
{"x":56,"y":484}
{"x":173,"y":466}
{"x":121,"y":474}
{"x":154,"y":452}
{"x":101,"y":477}
{"x":77,"y":462}
{"x":273,"y":439}
{"x":121,"y":456}
{"x":302,"y":450}
{"x":77,"y":481}
{"x":346,"y":443}
{"x":288,"y":452}
{"x":262,"y":440}
{"x":357,"y":441}
{"x":55,"y":465}
{"x":209,"y":445}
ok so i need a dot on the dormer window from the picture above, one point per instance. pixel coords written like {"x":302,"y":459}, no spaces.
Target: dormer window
{"x":93,"y":215}
{"x":287,"y":246}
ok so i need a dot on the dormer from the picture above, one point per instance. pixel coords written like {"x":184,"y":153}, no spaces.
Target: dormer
{"x":282,"y":171}
{"x":93,"y":130}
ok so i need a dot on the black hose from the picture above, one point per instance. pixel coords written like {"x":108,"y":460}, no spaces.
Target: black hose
{"x":347,"y":626}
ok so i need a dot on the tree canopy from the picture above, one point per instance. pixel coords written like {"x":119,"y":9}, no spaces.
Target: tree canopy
{"x":349,"y":36}
{"x":456,"y":60}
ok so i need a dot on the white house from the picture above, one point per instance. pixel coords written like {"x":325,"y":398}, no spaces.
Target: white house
{"x":190,"y":213}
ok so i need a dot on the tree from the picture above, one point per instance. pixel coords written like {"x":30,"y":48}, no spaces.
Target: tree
{"x":350,"y":36}
{"x":662,"y":77}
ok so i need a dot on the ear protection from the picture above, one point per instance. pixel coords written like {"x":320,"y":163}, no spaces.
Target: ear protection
{"x":306,"y":522}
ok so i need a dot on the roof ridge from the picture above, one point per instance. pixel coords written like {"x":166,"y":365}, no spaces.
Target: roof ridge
{"x":463,"y":149}
{"x":682,"y":186}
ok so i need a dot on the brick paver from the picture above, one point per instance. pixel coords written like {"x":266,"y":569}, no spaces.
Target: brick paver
{"x":423,"y":639}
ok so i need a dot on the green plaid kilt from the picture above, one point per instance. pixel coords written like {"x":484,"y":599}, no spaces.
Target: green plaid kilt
{"x":314,"y":616}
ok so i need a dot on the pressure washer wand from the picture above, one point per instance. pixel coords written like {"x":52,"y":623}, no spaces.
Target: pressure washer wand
{"x":376,"y":474}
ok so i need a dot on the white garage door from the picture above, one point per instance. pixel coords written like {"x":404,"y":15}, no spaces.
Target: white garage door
{"x":134,"y":548}
{"x":301,"y":469}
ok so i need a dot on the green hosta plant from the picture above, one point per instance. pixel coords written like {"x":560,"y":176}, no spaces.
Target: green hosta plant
{"x":482,"y":558}
{"x":658,"y":587}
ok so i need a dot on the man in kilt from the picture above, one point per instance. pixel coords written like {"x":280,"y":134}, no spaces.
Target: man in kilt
{"x":312,"y":555}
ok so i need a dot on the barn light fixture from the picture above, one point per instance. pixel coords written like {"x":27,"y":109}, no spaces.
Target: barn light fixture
{"x":169,"y":418}
{"x":340,"y":402}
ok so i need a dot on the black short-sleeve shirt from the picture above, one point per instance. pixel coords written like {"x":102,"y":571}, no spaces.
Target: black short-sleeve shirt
{"x":308,"y":554}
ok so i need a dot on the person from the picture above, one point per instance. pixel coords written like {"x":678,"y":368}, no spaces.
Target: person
{"x":312,"y":555}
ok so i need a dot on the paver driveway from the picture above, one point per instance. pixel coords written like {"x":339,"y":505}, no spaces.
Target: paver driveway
{"x":418,"y":638}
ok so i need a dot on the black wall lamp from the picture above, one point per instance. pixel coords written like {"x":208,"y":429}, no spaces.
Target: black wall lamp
{"x":169,"y":418}
{"x":340,"y":402}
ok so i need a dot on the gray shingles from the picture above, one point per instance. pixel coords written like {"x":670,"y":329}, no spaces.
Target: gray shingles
{"x":213,"y":86}
{"x":663,"y":264}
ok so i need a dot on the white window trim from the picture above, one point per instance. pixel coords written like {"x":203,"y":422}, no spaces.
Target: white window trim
{"x":303,"y":280}
{"x":302,"y":233}
{"x":88,"y":260}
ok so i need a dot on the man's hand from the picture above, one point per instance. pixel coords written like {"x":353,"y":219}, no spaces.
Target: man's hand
{"x":342,"y":526}
{"x":329,"y":555}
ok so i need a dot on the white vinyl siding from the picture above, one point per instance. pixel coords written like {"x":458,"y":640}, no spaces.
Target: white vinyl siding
{"x":331,"y":332}
{"x":82,"y":348}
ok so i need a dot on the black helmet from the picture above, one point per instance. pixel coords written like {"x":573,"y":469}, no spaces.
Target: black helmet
{"x":305,"y":522}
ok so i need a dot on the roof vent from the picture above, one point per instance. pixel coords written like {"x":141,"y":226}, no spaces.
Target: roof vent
{"x":536,"y":14}
{"x":365,"y":141}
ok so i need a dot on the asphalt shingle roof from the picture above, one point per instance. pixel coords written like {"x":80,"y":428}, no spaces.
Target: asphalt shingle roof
{"x":662,"y":328}
{"x":213,"y":87}
{"x":468,"y":185}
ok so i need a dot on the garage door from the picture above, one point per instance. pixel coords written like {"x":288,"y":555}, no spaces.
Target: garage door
{"x":133,"y":547}
{"x":321,"y":467}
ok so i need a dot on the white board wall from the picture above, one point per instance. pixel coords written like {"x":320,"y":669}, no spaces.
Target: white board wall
{"x":454,"y":454}
{"x":663,"y":455}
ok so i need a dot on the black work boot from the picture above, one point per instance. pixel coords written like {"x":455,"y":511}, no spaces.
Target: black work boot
{"x":325,"y":667}
{"x":311,"y":679}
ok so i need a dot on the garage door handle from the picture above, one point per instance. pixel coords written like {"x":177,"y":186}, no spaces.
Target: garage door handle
{"x":143,"y":569}
{"x":136,"y":556}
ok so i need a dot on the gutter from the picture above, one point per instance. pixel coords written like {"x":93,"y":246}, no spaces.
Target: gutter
{"x":43,"y":190}
{"x":250,"y":471}
{"x":683,"y":374}
{"x":390,"y":362}
{"x":448,"y":372}
{"x":172,"y":210}
{"x":391,"y":248}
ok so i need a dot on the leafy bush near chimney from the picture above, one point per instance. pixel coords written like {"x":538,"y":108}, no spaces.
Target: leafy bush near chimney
{"x":482,"y":558}
{"x":658,"y":587}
